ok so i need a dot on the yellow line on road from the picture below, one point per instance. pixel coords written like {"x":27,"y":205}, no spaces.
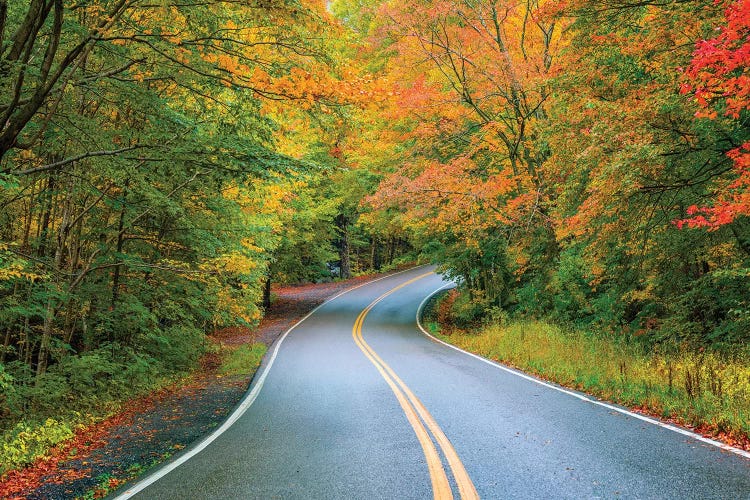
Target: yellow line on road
{"x":414,"y":409}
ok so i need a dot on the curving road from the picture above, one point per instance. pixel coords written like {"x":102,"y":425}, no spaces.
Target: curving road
{"x":356,"y":402}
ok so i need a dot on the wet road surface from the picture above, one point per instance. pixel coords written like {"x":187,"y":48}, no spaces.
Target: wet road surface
{"x":356,"y":402}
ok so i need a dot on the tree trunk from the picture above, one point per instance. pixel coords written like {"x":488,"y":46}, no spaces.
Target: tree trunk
{"x":8,"y":329}
{"x":342,"y":222}
{"x":267,"y":294}
{"x":6,"y":344}
{"x":44,"y":225}
{"x":391,"y":249}
{"x":28,"y":219}
{"x":118,"y":252}
{"x":44,"y":346}
{"x":346,"y":271}
{"x":375,"y":255}
{"x":49,"y":316}
{"x":116,"y":272}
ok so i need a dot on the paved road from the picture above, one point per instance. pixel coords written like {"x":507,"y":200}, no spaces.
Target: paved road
{"x":359,"y":404}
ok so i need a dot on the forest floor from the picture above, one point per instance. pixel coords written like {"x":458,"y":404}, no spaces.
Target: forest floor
{"x":150,"y":429}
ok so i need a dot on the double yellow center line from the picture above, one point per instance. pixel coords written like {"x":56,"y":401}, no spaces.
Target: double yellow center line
{"x":419,"y":418}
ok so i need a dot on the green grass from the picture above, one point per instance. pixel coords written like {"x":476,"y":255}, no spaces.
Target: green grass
{"x":698,"y":389}
{"x":243,"y":360}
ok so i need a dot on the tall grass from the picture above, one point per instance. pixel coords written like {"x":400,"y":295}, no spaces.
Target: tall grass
{"x":698,"y":389}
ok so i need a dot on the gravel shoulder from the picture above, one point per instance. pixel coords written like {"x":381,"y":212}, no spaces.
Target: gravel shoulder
{"x":149,"y":430}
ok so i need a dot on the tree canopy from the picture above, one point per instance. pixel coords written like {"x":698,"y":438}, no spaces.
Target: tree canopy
{"x":162,"y":162}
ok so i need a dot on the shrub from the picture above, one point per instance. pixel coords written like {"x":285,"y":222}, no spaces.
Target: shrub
{"x":177,"y":347}
{"x":23,"y":443}
{"x":569,"y":289}
{"x":468,"y":309}
{"x":714,"y":312}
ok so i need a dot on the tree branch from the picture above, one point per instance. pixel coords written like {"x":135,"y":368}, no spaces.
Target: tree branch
{"x":68,"y":161}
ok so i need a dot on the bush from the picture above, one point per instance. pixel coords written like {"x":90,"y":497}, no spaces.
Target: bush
{"x":570,"y":290}
{"x":23,"y":443}
{"x":130,"y":319}
{"x":444,"y":307}
{"x":467,"y":309}
{"x":177,"y":348}
{"x":608,"y":311}
{"x":531,"y":299}
{"x":89,"y":375}
{"x":44,"y":396}
{"x":93,"y":381}
{"x":714,"y":312}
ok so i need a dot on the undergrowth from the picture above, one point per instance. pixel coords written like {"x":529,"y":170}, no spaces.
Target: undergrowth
{"x":32,"y":437}
{"x":24,"y":442}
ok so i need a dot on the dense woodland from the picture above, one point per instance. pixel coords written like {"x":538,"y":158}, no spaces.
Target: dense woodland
{"x":162,"y":162}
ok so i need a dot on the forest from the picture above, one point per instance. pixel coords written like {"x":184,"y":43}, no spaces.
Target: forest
{"x":162,"y":163}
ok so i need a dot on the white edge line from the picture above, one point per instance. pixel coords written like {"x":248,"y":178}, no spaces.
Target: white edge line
{"x":243,"y":406}
{"x":582,"y":397}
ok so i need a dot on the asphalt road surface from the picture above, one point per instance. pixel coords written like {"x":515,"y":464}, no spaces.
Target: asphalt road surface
{"x":356,"y":402}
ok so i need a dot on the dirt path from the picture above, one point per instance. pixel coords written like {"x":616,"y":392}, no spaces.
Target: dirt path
{"x":151,"y":429}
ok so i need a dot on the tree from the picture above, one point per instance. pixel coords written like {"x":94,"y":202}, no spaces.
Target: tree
{"x":545,"y":156}
{"x":137,"y":140}
{"x":718,"y":78}
{"x":471,"y":85}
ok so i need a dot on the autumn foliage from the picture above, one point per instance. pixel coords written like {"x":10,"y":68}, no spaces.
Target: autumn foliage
{"x":161,"y":163}
{"x":719,"y":78}
{"x":582,"y":161}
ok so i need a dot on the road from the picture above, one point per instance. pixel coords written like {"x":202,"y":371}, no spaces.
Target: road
{"x":356,"y":402}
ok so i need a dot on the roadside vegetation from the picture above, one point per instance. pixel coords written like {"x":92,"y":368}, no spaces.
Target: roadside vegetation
{"x":162,"y":164}
{"x":45,"y":420}
{"x":704,"y":390}
{"x":45,"y":427}
{"x":582,"y":171}
{"x":242,"y":360}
